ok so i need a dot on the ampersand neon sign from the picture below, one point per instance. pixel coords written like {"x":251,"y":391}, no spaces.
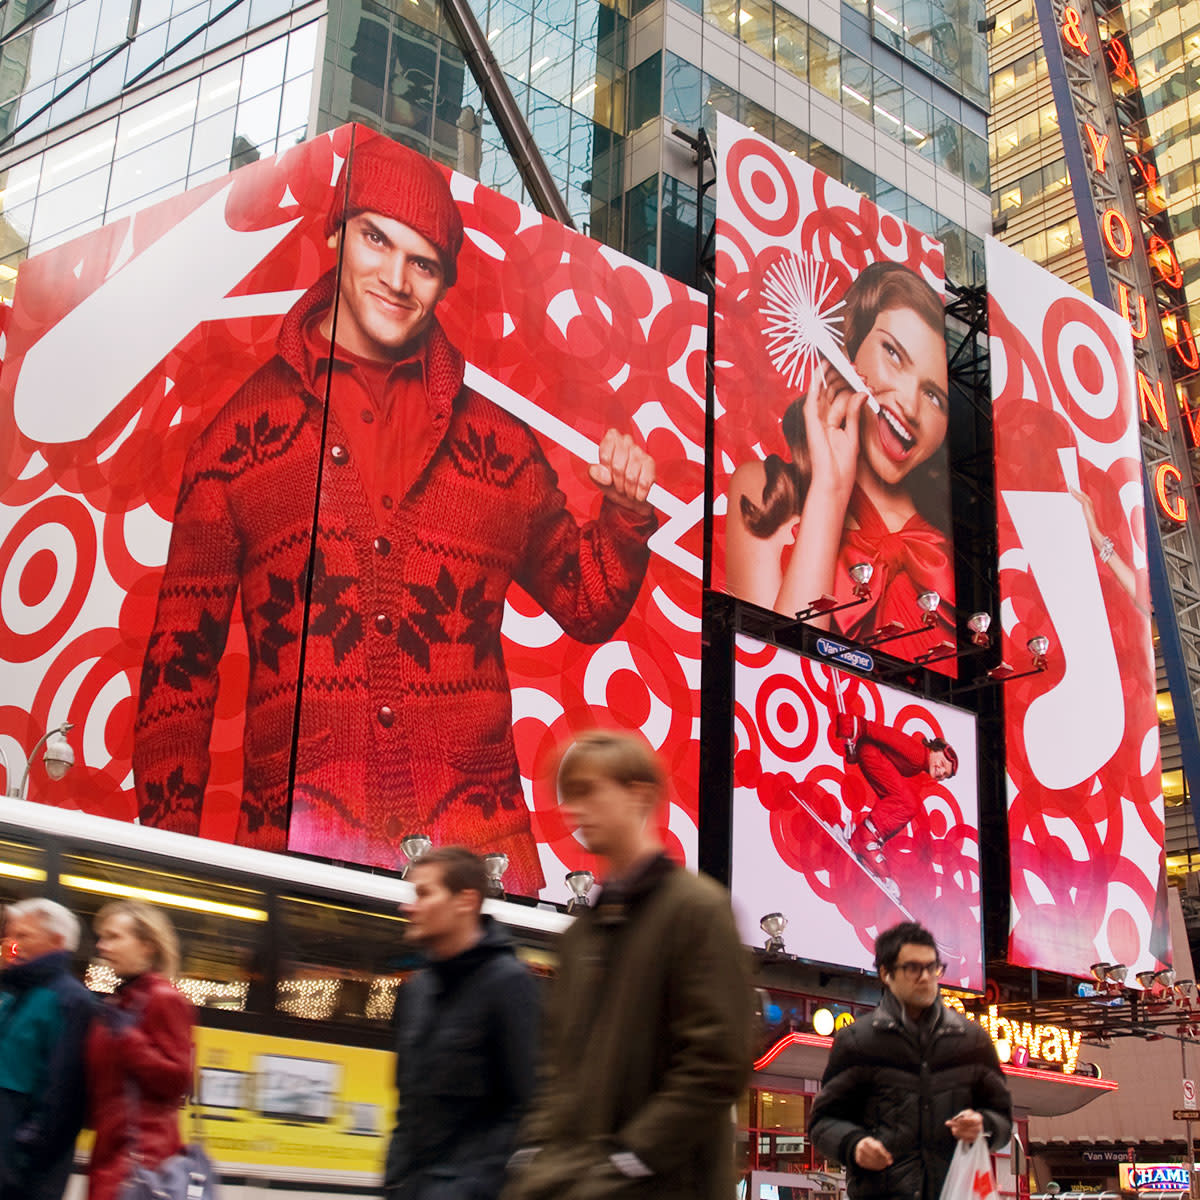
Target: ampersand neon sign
{"x":1122,"y":68}
{"x":1074,"y":33}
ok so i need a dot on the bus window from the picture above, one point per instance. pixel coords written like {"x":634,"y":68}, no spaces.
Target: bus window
{"x":541,"y":961}
{"x":222,"y":928}
{"x":339,"y":963}
{"x":22,"y":876}
{"x":22,"y":872}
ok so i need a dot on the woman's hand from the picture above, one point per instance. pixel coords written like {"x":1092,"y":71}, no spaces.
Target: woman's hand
{"x":831,"y":412}
{"x":1089,"y":517}
{"x":1122,"y":571}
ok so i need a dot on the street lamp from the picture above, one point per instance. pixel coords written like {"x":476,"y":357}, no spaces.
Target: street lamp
{"x":414,"y":846}
{"x":59,"y":759}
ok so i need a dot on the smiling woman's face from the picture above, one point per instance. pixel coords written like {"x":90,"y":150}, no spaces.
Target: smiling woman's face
{"x":902,"y":360}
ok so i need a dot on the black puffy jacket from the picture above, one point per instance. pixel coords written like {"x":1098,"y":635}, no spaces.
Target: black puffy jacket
{"x":883,"y":1082}
{"x":466,"y":1049}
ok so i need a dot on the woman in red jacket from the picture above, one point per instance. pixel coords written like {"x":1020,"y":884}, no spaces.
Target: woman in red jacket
{"x":139,"y":1052}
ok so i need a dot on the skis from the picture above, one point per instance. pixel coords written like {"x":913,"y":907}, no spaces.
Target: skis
{"x":839,"y":839}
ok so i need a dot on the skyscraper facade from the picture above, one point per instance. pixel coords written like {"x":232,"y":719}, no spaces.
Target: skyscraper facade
{"x":1150,"y":51}
{"x":109,"y":105}
{"x":1033,"y":208}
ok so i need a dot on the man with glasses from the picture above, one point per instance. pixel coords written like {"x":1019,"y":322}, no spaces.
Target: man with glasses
{"x":906,"y":1082}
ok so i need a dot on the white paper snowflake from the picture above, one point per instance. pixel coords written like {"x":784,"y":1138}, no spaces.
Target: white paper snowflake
{"x":799,"y":327}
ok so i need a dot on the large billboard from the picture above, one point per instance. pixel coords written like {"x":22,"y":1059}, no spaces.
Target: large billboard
{"x":832,"y":400}
{"x":336,"y":495}
{"x":855,"y":806}
{"x":1084,"y":785}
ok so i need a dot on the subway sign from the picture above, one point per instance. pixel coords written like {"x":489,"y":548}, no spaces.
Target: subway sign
{"x":1155,"y":1177}
{"x":1055,"y":1044}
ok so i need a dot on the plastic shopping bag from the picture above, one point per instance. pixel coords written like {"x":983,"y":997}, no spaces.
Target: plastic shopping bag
{"x":970,"y":1176}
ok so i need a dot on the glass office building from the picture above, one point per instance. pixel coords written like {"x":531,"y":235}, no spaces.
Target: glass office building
{"x":109,"y":105}
{"x":1034,"y":211}
{"x":1033,"y":207}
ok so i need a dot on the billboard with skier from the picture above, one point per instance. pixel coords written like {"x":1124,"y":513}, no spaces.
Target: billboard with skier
{"x":230,"y":557}
{"x":855,"y":806}
{"x":1085,"y":803}
{"x":832,"y":402}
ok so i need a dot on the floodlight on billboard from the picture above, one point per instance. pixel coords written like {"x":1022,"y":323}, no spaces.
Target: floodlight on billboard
{"x":1084,"y":785}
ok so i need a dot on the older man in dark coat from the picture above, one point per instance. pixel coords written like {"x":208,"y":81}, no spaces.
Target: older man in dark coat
{"x":44,"y":1017}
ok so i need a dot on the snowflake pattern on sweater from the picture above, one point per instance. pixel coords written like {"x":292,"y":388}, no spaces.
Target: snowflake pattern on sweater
{"x":405,"y":716}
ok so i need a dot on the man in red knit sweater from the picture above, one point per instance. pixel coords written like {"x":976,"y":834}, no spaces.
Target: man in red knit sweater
{"x":433,"y":501}
{"x":892,"y":763}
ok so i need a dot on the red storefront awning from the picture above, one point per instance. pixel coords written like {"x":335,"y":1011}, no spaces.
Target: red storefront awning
{"x":1038,"y":1093}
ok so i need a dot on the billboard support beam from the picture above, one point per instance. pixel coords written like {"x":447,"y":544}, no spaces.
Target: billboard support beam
{"x":514,"y":129}
{"x":973,"y":499}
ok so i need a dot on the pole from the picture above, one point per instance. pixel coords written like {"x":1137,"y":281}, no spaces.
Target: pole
{"x":1187,"y":1126}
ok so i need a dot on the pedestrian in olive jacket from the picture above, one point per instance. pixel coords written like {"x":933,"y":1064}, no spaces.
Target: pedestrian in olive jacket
{"x":906,"y":1081}
{"x":649,"y":1020}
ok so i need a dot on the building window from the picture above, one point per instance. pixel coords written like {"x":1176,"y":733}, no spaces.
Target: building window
{"x":773,"y":1131}
{"x":1174,"y":788}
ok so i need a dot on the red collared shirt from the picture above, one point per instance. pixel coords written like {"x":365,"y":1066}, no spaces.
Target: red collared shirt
{"x":383,"y":409}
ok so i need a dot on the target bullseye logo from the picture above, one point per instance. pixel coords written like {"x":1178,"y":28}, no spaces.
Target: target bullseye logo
{"x":1085,"y":365}
{"x":762,"y":186}
{"x":787,"y":718}
{"x":47,"y":563}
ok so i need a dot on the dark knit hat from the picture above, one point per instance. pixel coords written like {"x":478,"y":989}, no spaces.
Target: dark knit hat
{"x":396,"y":182}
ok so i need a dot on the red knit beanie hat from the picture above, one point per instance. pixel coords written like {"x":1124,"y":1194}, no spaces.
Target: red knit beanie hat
{"x":396,"y":182}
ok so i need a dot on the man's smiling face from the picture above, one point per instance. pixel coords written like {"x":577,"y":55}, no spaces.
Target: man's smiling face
{"x":392,"y":280}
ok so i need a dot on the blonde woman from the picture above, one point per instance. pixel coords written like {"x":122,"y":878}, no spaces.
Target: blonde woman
{"x":140,"y":1050}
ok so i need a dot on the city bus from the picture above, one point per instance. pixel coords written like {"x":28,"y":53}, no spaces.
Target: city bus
{"x":293,"y":965}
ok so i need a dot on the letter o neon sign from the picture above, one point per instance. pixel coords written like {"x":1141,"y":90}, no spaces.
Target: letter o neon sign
{"x":1159,"y":250}
{"x":1117,"y":233}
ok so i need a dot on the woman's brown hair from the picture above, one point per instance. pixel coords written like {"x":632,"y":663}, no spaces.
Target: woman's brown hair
{"x":882,"y":287}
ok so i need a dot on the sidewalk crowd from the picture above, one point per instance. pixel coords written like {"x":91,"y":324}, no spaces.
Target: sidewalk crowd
{"x":621,"y":1085}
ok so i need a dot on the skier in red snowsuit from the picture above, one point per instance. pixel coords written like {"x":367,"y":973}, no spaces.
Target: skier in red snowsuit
{"x":891,"y":763}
